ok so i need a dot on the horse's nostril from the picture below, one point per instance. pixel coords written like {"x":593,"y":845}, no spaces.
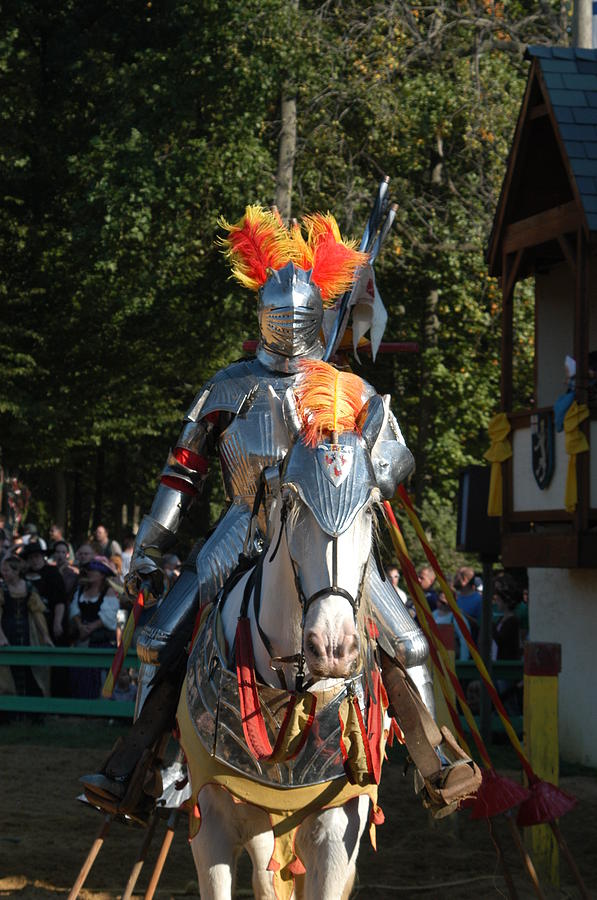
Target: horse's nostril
{"x":313,"y":648}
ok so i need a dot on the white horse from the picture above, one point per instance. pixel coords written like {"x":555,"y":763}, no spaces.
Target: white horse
{"x":306,"y":620}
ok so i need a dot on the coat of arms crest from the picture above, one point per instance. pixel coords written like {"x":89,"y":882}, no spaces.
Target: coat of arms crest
{"x":542,"y":447}
{"x":336,"y":461}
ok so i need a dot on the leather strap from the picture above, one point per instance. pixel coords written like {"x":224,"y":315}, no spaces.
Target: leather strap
{"x":420,"y":731}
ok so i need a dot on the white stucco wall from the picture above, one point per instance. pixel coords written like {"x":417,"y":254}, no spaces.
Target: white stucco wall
{"x":563,"y":609}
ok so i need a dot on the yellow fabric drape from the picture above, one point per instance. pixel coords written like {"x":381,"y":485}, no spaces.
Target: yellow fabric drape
{"x":286,"y":808}
{"x":576,"y":442}
{"x":500,"y":450}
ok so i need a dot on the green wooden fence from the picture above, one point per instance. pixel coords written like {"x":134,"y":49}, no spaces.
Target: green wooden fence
{"x":102,"y":658}
{"x":84,"y":657}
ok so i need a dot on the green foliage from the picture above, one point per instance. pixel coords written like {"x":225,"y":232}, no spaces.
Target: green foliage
{"x":128,"y":130}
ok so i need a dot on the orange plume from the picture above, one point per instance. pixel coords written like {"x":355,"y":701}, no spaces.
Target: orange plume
{"x":258,"y":242}
{"x":328,"y":400}
{"x":334,"y":261}
{"x":304,"y":254}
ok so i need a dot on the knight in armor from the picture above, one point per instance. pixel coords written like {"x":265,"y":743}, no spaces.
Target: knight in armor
{"x":295,"y":278}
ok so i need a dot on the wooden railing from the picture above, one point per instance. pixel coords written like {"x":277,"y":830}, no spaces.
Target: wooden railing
{"x":78,"y":657}
{"x":102,"y":658}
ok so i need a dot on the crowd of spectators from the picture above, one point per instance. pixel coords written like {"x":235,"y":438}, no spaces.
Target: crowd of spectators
{"x":54,"y":595}
{"x":509,"y":616}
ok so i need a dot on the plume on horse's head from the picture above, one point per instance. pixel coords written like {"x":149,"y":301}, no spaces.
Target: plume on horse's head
{"x":328,"y":400}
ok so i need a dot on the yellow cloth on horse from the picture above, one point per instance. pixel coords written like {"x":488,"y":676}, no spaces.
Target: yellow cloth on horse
{"x":576,"y":442}
{"x":287,"y":807}
{"x":500,"y":450}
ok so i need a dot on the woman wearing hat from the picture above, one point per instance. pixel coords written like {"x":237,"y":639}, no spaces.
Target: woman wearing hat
{"x":93,"y":613}
{"x":22,"y":623}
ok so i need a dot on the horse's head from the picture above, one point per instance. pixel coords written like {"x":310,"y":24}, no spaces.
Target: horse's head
{"x":328,"y":490}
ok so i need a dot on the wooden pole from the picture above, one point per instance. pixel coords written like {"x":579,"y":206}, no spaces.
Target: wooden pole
{"x":91,"y":857}
{"x":502,"y":861}
{"x":163,"y":854}
{"x":141,"y":856}
{"x":528,"y":862}
{"x":542,"y":663}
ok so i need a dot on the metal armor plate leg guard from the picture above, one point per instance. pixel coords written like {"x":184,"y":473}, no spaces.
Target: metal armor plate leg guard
{"x":164,"y":638}
{"x":423,"y":681}
{"x":421,"y":733}
{"x":443,"y":786}
{"x":400,"y":636}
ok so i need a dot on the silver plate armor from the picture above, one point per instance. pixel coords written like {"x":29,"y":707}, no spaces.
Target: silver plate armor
{"x":290,"y":316}
{"x":247,"y":446}
{"x":212,"y":693}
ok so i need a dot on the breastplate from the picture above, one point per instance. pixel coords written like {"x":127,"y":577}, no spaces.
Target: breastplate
{"x":248,"y":444}
{"x":212,"y":695}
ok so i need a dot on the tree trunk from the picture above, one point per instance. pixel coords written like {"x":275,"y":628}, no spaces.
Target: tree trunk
{"x":98,"y":502}
{"x":60,"y":498}
{"x":286,"y":154}
{"x":287,"y":146}
{"x":583,"y":23}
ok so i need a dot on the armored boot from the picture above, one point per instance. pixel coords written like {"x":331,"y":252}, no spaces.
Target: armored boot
{"x":129,"y":781}
{"x":446,"y":774}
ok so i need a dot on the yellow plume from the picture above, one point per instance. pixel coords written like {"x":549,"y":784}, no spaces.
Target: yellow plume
{"x":328,"y":400}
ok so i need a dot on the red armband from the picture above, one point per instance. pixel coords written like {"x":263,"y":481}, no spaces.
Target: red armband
{"x":191,"y":460}
{"x":178,"y":484}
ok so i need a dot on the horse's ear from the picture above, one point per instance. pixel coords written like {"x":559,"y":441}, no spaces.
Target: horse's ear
{"x":373,"y":417}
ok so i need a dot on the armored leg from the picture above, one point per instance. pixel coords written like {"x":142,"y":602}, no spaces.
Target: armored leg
{"x":162,"y":649}
{"x":447,"y":776}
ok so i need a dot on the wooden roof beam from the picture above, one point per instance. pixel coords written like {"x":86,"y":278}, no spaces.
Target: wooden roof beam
{"x":542,"y":227}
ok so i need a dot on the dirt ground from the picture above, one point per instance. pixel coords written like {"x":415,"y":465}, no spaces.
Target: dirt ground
{"x":45,"y":833}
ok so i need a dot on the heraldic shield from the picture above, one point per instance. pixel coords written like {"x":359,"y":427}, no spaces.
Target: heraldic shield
{"x":542,"y":447}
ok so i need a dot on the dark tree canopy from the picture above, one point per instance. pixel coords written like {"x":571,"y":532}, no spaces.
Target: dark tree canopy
{"x":127,"y":130}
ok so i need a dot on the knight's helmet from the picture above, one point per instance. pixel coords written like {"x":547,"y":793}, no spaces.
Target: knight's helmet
{"x":295,"y":277}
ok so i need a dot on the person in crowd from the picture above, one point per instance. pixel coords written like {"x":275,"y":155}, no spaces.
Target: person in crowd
{"x":171,"y":566}
{"x":22,"y":623}
{"x":49,"y":585}
{"x":443,"y":615}
{"x":522,"y":614}
{"x":128,"y":545}
{"x":506,"y":630}
{"x":62,"y":559}
{"x":5,"y":543}
{"x":470,"y":601}
{"x":30,"y":533}
{"x":506,"y":636}
{"x":393,"y":576}
{"x":93,"y":619}
{"x":104,"y":545}
{"x":426,"y":578}
{"x":56,"y":535}
{"x":84,"y":555}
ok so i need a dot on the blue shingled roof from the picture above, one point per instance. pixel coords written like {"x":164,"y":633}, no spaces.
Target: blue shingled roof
{"x":570,"y":75}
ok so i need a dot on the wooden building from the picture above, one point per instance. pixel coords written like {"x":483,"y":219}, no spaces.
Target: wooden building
{"x":545,"y":228}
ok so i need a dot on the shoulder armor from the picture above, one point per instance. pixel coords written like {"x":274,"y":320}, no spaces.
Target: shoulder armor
{"x":227,"y":391}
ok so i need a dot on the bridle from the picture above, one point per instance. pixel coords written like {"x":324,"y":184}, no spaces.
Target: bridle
{"x":304,"y":600}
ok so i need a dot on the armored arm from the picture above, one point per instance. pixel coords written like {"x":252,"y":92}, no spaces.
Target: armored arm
{"x":181,"y":481}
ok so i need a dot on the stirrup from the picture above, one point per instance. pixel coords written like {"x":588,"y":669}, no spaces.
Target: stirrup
{"x":141,"y":791}
{"x":460,"y":779}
